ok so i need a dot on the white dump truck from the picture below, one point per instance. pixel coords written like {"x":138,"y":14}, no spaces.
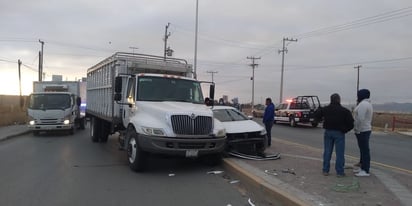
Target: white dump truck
{"x":55,"y":105}
{"x":155,"y":105}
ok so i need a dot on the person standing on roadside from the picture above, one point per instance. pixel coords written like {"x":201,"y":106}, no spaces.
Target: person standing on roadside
{"x":268,"y":118}
{"x":337,"y":121}
{"x":363,"y":128}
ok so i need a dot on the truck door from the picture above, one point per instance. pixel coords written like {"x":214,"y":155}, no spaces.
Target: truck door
{"x":130,"y":96}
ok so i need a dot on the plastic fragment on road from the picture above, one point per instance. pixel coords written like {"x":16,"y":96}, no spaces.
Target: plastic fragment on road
{"x":290,"y":171}
{"x":271,"y":172}
{"x":234,"y":181}
{"x":250,"y":202}
{"x":216,"y":172}
{"x":171,"y":175}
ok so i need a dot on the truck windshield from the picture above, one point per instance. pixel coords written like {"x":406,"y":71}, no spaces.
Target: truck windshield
{"x":168,"y":89}
{"x":49,"y":101}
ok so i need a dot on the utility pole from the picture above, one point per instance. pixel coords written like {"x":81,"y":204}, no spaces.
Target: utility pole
{"x":41,"y":61}
{"x":253,"y":65}
{"x":133,"y":48}
{"x":19,"y":66}
{"x":357,"y":82}
{"x":283,"y":51}
{"x":212,"y":72}
{"x":165,"y":40}
{"x":196,"y":30}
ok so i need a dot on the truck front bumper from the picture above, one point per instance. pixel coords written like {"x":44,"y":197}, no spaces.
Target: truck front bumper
{"x":50,"y":127}
{"x":189,"y":147}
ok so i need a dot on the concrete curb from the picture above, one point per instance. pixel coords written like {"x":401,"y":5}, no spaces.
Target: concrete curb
{"x":263,"y":189}
{"x":14,"y":135}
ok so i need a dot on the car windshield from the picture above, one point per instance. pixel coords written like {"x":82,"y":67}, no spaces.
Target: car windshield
{"x":169,"y":89}
{"x":227,"y":115}
{"x":49,"y":101}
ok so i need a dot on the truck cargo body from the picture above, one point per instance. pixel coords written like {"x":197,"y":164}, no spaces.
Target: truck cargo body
{"x":154,"y":105}
{"x":55,"y":105}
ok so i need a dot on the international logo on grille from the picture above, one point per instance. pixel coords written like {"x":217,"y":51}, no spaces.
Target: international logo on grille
{"x":193,"y":116}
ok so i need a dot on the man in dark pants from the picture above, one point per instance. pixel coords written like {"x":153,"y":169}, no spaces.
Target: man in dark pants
{"x":337,"y":121}
{"x":363,"y":128}
{"x":268,"y":118}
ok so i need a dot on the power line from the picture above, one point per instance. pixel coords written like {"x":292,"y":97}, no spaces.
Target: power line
{"x":383,"y":17}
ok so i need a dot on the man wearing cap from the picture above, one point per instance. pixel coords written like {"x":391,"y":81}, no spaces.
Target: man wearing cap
{"x":337,"y":121}
{"x":363,"y":128}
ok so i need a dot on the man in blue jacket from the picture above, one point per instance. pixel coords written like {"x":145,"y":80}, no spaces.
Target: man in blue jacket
{"x":268,"y":118}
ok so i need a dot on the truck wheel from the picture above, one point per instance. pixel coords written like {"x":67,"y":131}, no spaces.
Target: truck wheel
{"x":105,"y":130}
{"x":82,"y":123}
{"x":292,"y":122}
{"x":94,"y":129}
{"x":314,"y":124}
{"x":135,"y":155}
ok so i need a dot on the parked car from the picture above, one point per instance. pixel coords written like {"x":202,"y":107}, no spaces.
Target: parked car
{"x":243,"y":134}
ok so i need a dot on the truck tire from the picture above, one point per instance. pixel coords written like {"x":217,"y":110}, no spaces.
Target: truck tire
{"x":94,"y":129}
{"x":82,"y":123}
{"x":314,"y":124}
{"x":292,"y":122}
{"x":105,"y":130}
{"x":135,"y":156}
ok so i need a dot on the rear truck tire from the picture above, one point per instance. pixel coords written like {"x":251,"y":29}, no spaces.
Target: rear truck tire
{"x":135,"y":156}
{"x":82,"y":123}
{"x":94,"y":129}
{"x":314,"y":124}
{"x":105,"y":130}
{"x":292,"y":122}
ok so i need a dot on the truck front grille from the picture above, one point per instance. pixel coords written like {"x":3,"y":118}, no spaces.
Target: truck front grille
{"x":186,"y":125}
{"x":49,"y":121}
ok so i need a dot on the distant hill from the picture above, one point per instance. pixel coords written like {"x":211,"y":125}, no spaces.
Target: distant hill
{"x":393,"y":107}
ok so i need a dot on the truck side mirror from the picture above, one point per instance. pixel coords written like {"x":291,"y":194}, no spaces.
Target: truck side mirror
{"x":118,"y":85}
{"x":117,"y":97}
{"x":212,"y":92}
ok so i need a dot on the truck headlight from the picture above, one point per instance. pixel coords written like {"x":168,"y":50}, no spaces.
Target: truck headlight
{"x":221,"y":133}
{"x":32,"y":122}
{"x":66,"y":121}
{"x":153,"y":131}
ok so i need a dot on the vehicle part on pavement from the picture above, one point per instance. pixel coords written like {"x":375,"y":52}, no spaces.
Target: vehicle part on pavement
{"x":250,"y":202}
{"x":253,"y":157}
{"x":216,"y":172}
{"x":343,"y":185}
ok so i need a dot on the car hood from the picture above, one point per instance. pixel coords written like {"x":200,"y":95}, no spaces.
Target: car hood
{"x":242,"y":126}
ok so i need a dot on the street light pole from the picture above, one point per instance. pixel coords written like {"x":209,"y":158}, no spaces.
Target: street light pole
{"x":196,"y":30}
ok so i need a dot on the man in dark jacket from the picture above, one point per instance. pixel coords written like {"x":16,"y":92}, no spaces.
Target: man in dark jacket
{"x":337,"y":121}
{"x":268,"y":118}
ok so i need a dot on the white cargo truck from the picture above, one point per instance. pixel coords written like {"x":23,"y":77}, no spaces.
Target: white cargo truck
{"x":55,"y":105}
{"x":156,"y":107}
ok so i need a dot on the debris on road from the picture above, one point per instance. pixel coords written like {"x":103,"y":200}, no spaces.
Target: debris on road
{"x":290,"y":171}
{"x":250,"y":202}
{"x":216,"y":172}
{"x":255,"y":157}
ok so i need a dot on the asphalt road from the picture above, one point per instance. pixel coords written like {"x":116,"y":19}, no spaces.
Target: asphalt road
{"x":71,"y":170}
{"x":389,"y":149}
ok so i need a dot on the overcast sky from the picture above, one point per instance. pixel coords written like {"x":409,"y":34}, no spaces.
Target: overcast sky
{"x":333,"y":37}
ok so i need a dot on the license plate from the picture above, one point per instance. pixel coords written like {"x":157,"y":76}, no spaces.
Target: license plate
{"x":192,"y":153}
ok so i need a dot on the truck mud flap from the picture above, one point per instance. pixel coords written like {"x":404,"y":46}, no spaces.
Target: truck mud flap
{"x":255,"y":157}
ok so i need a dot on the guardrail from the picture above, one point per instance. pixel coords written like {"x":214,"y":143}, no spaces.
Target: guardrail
{"x":399,"y":121}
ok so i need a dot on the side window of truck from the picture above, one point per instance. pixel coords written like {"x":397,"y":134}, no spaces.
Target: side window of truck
{"x":131,"y":88}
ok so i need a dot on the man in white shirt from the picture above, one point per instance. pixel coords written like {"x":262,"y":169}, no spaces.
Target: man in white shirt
{"x":363,"y":128}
